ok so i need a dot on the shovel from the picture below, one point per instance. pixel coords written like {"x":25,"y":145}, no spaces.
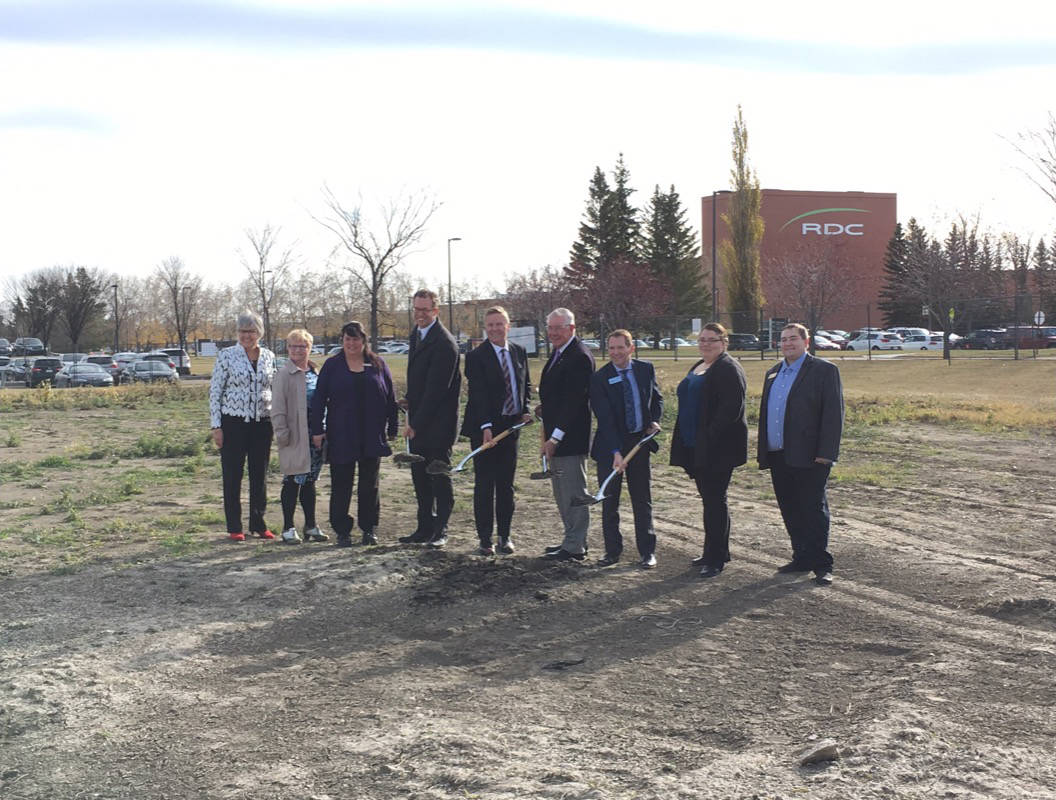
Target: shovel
{"x":407,"y":458}
{"x":545,"y":473}
{"x":438,"y":467}
{"x":590,"y":500}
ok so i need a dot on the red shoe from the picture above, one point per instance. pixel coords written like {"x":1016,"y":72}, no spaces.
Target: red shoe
{"x":237,"y":537}
{"x":264,"y":535}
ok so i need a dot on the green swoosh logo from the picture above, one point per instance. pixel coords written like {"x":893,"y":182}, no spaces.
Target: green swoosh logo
{"x":822,"y":211}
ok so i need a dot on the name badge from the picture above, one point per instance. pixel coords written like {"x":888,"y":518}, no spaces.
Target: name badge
{"x":617,"y":379}
{"x":771,"y":376}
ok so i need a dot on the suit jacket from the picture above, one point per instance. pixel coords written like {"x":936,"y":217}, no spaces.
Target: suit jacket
{"x":606,"y":398}
{"x":487,"y":390}
{"x":721,"y":442}
{"x":564,"y":390}
{"x":813,"y":414}
{"x":433,"y":386}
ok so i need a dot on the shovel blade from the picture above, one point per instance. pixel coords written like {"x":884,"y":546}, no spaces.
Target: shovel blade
{"x":408,"y":458}
{"x":586,"y":501}
{"x":439,"y":468}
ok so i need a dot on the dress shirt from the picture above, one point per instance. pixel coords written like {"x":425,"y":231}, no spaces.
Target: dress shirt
{"x":423,"y":332}
{"x":627,"y":376}
{"x":777,"y":400}
{"x":503,"y":354}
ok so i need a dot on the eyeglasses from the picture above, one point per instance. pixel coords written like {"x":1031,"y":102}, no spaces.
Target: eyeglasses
{"x":711,"y":341}
{"x":296,"y":347}
{"x":253,"y":331}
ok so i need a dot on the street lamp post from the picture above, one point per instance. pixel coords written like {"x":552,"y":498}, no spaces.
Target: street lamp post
{"x":714,"y":256}
{"x":117,"y":324}
{"x":450,"y":305}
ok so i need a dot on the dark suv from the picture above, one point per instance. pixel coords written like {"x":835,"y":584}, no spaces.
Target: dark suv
{"x":5,"y":347}
{"x":28,"y":346}
{"x":985,"y":339}
{"x":744,"y":341}
{"x":43,"y":369}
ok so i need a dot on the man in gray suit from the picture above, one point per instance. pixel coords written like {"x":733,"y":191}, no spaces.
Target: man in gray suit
{"x":800,"y":424}
{"x":564,"y":395}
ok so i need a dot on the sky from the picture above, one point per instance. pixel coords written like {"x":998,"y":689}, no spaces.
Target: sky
{"x":132,"y":131}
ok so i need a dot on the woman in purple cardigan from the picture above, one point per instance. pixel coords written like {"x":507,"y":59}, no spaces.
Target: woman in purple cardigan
{"x":355,"y":397}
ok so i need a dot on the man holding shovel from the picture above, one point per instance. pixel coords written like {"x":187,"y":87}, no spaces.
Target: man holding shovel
{"x":628,"y":405}
{"x":564,"y":394}
{"x":433,"y":386}
{"x":499,"y":391}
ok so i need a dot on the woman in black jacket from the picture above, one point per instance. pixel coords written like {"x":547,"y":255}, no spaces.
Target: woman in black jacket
{"x":711,"y":438}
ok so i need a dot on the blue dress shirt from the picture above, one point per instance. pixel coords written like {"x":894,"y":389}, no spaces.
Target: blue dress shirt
{"x":775,"y":404}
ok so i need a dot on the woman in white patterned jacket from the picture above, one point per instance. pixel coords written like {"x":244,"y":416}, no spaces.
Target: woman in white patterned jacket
{"x":240,"y":415}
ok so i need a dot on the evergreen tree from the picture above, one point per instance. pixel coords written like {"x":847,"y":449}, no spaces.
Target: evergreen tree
{"x":740,"y":253}
{"x":623,"y":239}
{"x":1045,"y":280}
{"x":896,"y":301}
{"x":610,"y":231}
{"x":586,"y":251}
{"x":670,"y":248}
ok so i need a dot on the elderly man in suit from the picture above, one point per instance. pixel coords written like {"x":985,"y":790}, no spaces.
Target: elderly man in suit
{"x":628,"y":405}
{"x":433,"y":386}
{"x":800,"y":424}
{"x":499,"y":390}
{"x":564,"y":394}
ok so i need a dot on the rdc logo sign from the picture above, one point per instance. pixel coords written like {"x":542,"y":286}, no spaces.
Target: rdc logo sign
{"x":829,"y":228}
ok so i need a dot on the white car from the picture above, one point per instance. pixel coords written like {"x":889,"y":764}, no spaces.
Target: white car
{"x":876,"y":340}
{"x":838,"y":338}
{"x":919,"y":341}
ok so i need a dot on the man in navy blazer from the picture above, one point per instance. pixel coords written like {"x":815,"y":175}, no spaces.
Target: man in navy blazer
{"x":434,"y":383}
{"x":800,"y":424}
{"x":564,"y":405}
{"x":628,"y":405}
{"x":499,"y":391}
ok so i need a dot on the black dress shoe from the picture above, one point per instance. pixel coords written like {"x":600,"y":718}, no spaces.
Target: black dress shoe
{"x":608,"y":560}
{"x":344,"y":540}
{"x":486,"y":550}
{"x":556,"y":547}
{"x":505,"y":546}
{"x":823,"y":578}
{"x":700,"y":561}
{"x":710,"y":571}
{"x":563,"y":555}
{"x":370,"y":538}
{"x":792,"y":566}
{"x":418,"y":537}
{"x":647,"y":562}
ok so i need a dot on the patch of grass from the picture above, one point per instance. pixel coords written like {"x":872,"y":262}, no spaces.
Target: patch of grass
{"x":183,"y":543}
{"x":64,"y":502}
{"x":13,"y":439}
{"x":162,"y":445}
{"x":871,"y":473}
{"x":54,"y":462}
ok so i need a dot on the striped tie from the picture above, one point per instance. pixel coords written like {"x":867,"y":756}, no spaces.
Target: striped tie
{"x":508,"y":407}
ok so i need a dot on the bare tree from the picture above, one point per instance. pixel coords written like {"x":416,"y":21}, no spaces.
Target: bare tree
{"x":182,"y":290}
{"x":380,"y":248}
{"x":36,"y":306}
{"x":1039,"y":149}
{"x":813,"y":282}
{"x":268,"y":266}
{"x":80,"y":300}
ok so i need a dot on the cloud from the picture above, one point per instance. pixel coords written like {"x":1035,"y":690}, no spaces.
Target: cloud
{"x":55,"y":119}
{"x":498,"y":29}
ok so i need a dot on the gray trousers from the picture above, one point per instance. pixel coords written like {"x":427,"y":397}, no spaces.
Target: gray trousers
{"x":572,"y":482}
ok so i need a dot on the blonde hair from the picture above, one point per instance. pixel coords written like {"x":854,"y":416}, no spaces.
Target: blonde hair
{"x":302,"y":335}
{"x":498,"y":310}
{"x":624,"y":334}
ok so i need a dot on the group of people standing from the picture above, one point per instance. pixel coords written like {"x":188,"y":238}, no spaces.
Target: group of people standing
{"x":346,"y":414}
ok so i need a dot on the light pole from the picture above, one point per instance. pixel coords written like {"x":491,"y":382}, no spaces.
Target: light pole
{"x":117,"y":324}
{"x":714,"y":257}
{"x":450,"y":305}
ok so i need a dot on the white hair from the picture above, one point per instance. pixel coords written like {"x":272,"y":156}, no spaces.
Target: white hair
{"x":248,"y":319}
{"x":562,"y":313}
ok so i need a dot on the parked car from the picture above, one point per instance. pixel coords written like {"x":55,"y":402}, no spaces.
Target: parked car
{"x":150,"y":371}
{"x":744,"y":341}
{"x":318,"y":350}
{"x":875,"y":340}
{"x":670,"y":344}
{"x":985,"y":339}
{"x":17,"y":368}
{"x":393,"y":347}
{"x":334,"y":349}
{"x":1030,"y":337}
{"x":593,"y":344}
{"x":44,"y":369}
{"x":107,"y":363}
{"x":163,"y":357}
{"x":73,"y":358}
{"x":27,"y":346}
{"x":824,"y":343}
{"x":180,"y":359}
{"x":918,"y":341}
{"x":838,"y":338}
{"x":83,"y":374}
{"x":641,"y":344}
{"x":905,"y":332}
{"x":5,"y":347}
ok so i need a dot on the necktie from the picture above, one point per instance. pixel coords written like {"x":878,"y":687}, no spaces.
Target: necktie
{"x":508,"y":407}
{"x":629,"y":411}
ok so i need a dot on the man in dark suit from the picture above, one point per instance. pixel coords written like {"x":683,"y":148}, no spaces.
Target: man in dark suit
{"x":499,"y":390}
{"x":433,"y":386}
{"x":564,"y":395}
{"x":628,"y":405}
{"x":800,"y":424}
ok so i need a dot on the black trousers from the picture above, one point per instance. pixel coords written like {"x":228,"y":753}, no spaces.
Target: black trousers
{"x":245,"y":441}
{"x":368,"y":502}
{"x":713,"y":486}
{"x":493,"y":503}
{"x":432,"y":490}
{"x":291,"y":490}
{"x":805,"y":509}
{"x":639,"y":477}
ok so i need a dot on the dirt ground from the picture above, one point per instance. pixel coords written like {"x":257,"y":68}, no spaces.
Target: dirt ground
{"x":189,"y":667}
